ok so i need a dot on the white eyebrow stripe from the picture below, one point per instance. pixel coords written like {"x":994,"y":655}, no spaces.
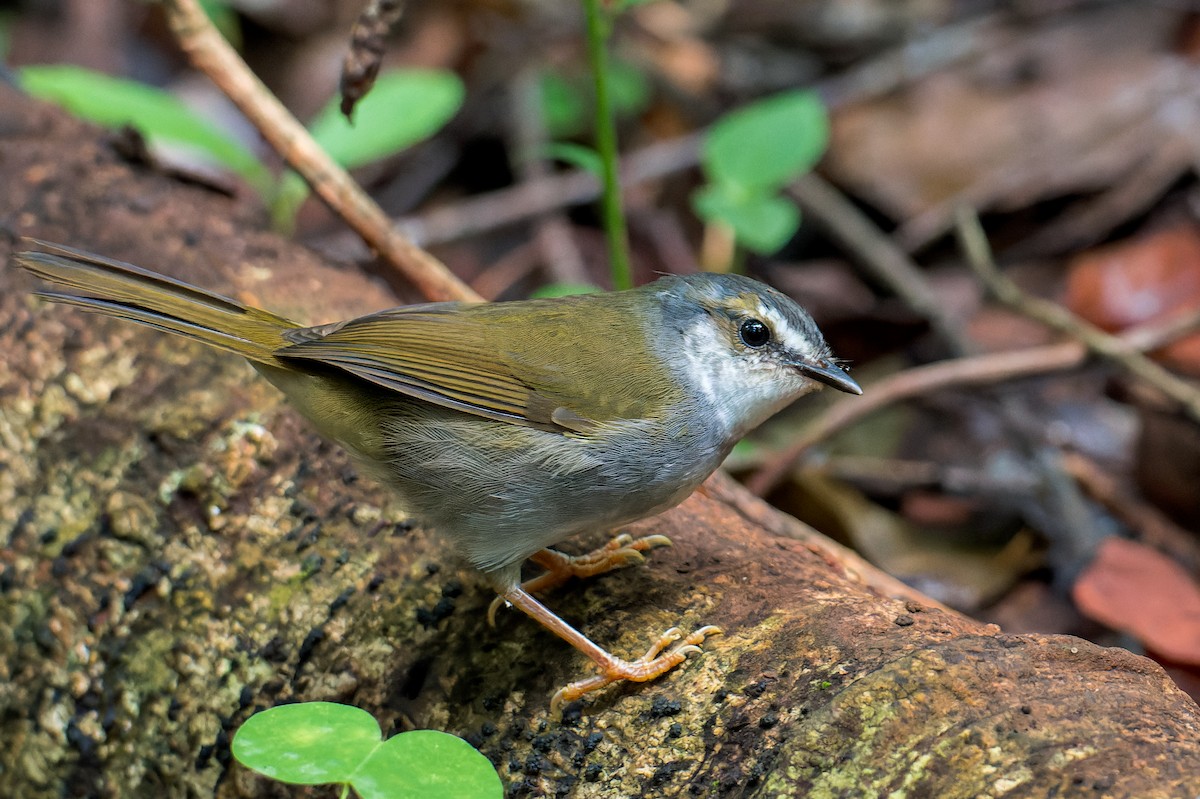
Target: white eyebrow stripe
{"x":787,"y":335}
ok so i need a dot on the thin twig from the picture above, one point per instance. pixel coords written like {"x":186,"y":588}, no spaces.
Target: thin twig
{"x":1152,"y":525}
{"x":916,"y":382}
{"x":1115,"y":348}
{"x":561,"y":258}
{"x":895,"y":269}
{"x":211,"y":54}
{"x":894,"y":477}
{"x":876,"y":77}
{"x":875,"y":252}
{"x":501,"y":273}
{"x":524,"y":200}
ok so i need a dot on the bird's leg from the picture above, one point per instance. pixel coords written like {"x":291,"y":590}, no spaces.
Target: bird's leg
{"x":612,"y":668}
{"x":622,"y":551}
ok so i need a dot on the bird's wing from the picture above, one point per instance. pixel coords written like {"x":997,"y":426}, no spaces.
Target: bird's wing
{"x":449,"y":355}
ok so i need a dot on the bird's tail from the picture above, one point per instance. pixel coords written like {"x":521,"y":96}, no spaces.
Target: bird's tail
{"x":129,"y":292}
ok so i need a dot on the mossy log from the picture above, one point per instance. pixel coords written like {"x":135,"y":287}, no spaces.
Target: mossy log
{"x":181,"y":550}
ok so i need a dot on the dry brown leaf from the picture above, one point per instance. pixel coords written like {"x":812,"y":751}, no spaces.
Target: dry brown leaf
{"x":1138,"y":590}
{"x":1138,"y":281}
{"x":962,"y":574}
{"x":1076,"y":106}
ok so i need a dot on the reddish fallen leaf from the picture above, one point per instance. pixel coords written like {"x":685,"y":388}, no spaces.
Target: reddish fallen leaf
{"x":1137,"y":281}
{"x":1138,"y":590}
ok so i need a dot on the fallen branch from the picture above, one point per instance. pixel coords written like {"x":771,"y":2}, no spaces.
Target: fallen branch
{"x":211,"y":54}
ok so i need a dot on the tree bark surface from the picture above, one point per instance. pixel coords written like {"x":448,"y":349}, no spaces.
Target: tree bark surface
{"x":180,"y":549}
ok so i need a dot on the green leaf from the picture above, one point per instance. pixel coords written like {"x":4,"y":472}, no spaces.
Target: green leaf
{"x":628,"y":89}
{"x":562,"y":290}
{"x":576,"y":155}
{"x":403,"y":108}
{"x":764,"y":145}
{"x":567,"y":102}
{"x":760,"y":222}
{"x":427,"y":764}
{"x":313,"y":743}
{"x":309,"y":743}
{"x":564,"y":106}
{"x":160,"y":116}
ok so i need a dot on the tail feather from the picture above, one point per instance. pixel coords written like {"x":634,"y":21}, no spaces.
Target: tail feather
{"x":125,"y":291}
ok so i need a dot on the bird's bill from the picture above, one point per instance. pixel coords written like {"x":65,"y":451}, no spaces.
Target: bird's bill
{"x":834,"y":376}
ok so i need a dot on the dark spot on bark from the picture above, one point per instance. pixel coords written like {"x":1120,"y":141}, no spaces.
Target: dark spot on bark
{"x":755,"y":689}
{"x":275,"y":650}
{"x":142,"y":583}
{"x":414,"y":681}
{"x":666,"y":773}
{"x":566,"y":784}
{"x":72,"y":547}
{"x":572,"y":714}
{"x":535,"y":764}
{"x":340,"y":601}
{"x":428,"y":617}
{"x":662,"y":707}
{"x":315,"y":636}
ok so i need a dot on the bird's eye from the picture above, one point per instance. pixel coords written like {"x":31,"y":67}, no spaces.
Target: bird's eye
{"x":754,"y":333}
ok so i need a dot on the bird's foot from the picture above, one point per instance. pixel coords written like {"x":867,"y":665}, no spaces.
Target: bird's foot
{"x":622,"y":551}
{"x":649,"y":666}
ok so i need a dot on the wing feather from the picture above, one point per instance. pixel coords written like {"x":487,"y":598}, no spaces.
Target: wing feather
{"x":447,"y":356}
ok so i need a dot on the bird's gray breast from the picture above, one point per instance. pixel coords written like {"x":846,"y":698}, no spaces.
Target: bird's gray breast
{"x":501,"y":492}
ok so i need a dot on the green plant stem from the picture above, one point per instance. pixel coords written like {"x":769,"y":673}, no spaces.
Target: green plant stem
{"x":606,"y":145}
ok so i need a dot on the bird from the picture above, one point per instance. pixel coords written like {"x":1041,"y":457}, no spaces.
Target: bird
{"x":509,"y":427}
